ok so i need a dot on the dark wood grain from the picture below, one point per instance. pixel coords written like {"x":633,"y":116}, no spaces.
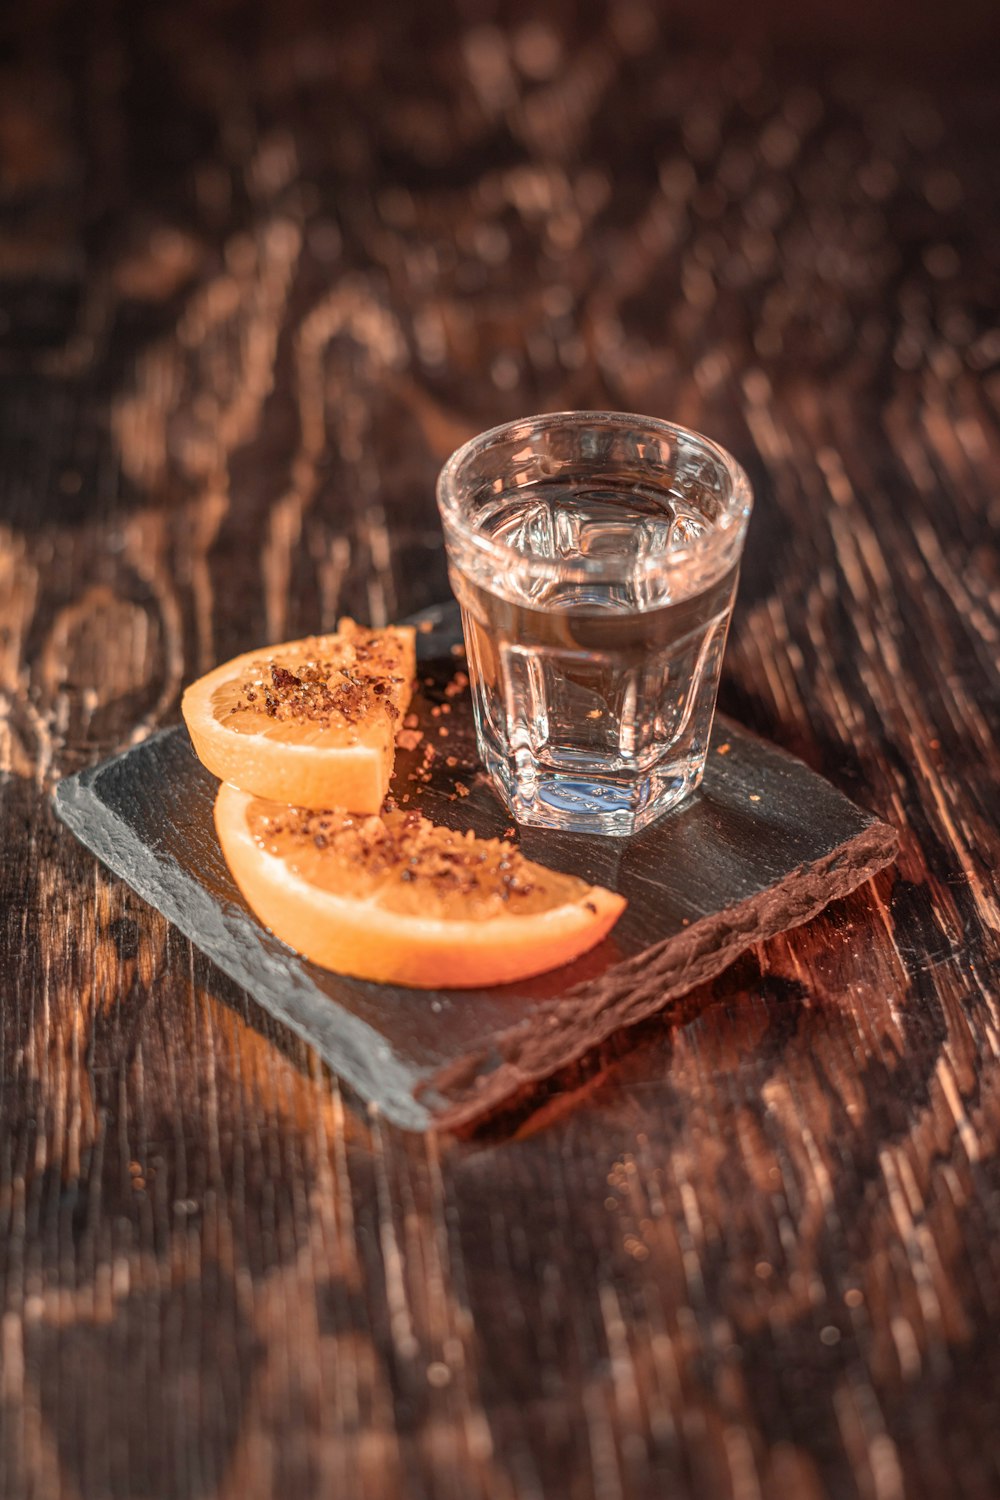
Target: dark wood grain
{"x":259,"y":271}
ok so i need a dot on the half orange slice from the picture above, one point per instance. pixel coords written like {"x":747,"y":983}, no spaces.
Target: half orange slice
{"x":400,"y":900}
{"x":310,"y":722}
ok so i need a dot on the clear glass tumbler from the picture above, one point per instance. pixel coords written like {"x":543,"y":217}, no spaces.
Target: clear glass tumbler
{"x":595,"y":558}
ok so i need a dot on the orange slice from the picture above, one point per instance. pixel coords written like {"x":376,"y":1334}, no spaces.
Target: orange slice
{"x":310,"y":722}
{"x":398,"y":899}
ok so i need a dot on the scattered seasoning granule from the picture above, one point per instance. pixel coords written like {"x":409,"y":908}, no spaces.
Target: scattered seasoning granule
{"x":408,"y":846}
{"x":340,"y":684}
{"x":723,"y":749}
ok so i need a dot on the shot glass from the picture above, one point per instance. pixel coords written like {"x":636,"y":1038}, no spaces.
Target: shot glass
{"x":595,"y":557}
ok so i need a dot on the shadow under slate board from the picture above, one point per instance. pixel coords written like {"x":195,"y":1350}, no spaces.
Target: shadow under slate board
{"x":763,"y":846}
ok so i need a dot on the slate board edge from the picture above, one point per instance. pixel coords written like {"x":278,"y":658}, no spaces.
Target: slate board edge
{"x":150,"y":876}
{"x":671,"y":969}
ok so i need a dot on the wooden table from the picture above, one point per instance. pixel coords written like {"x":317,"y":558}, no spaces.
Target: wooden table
{"x":258,"y":276}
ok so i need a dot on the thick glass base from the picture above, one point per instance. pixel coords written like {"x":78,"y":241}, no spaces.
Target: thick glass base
{"x":585,"y":802}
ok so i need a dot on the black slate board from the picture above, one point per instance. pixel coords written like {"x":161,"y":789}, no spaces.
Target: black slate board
{"x":763,"y":846}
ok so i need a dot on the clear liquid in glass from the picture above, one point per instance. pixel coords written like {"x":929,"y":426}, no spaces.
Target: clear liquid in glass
{"x":594,"y":700}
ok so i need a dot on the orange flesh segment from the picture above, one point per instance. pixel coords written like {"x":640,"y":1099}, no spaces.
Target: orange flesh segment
{"x":310,"y":721}
{"x":399,"y":899}
{"x":404,"y":863}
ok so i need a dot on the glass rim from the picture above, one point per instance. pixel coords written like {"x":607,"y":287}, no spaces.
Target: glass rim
{"x":720,"y":543}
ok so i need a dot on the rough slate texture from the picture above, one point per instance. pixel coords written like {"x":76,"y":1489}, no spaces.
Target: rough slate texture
{"x":254,"y":284}
{"x":765,"y":845}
